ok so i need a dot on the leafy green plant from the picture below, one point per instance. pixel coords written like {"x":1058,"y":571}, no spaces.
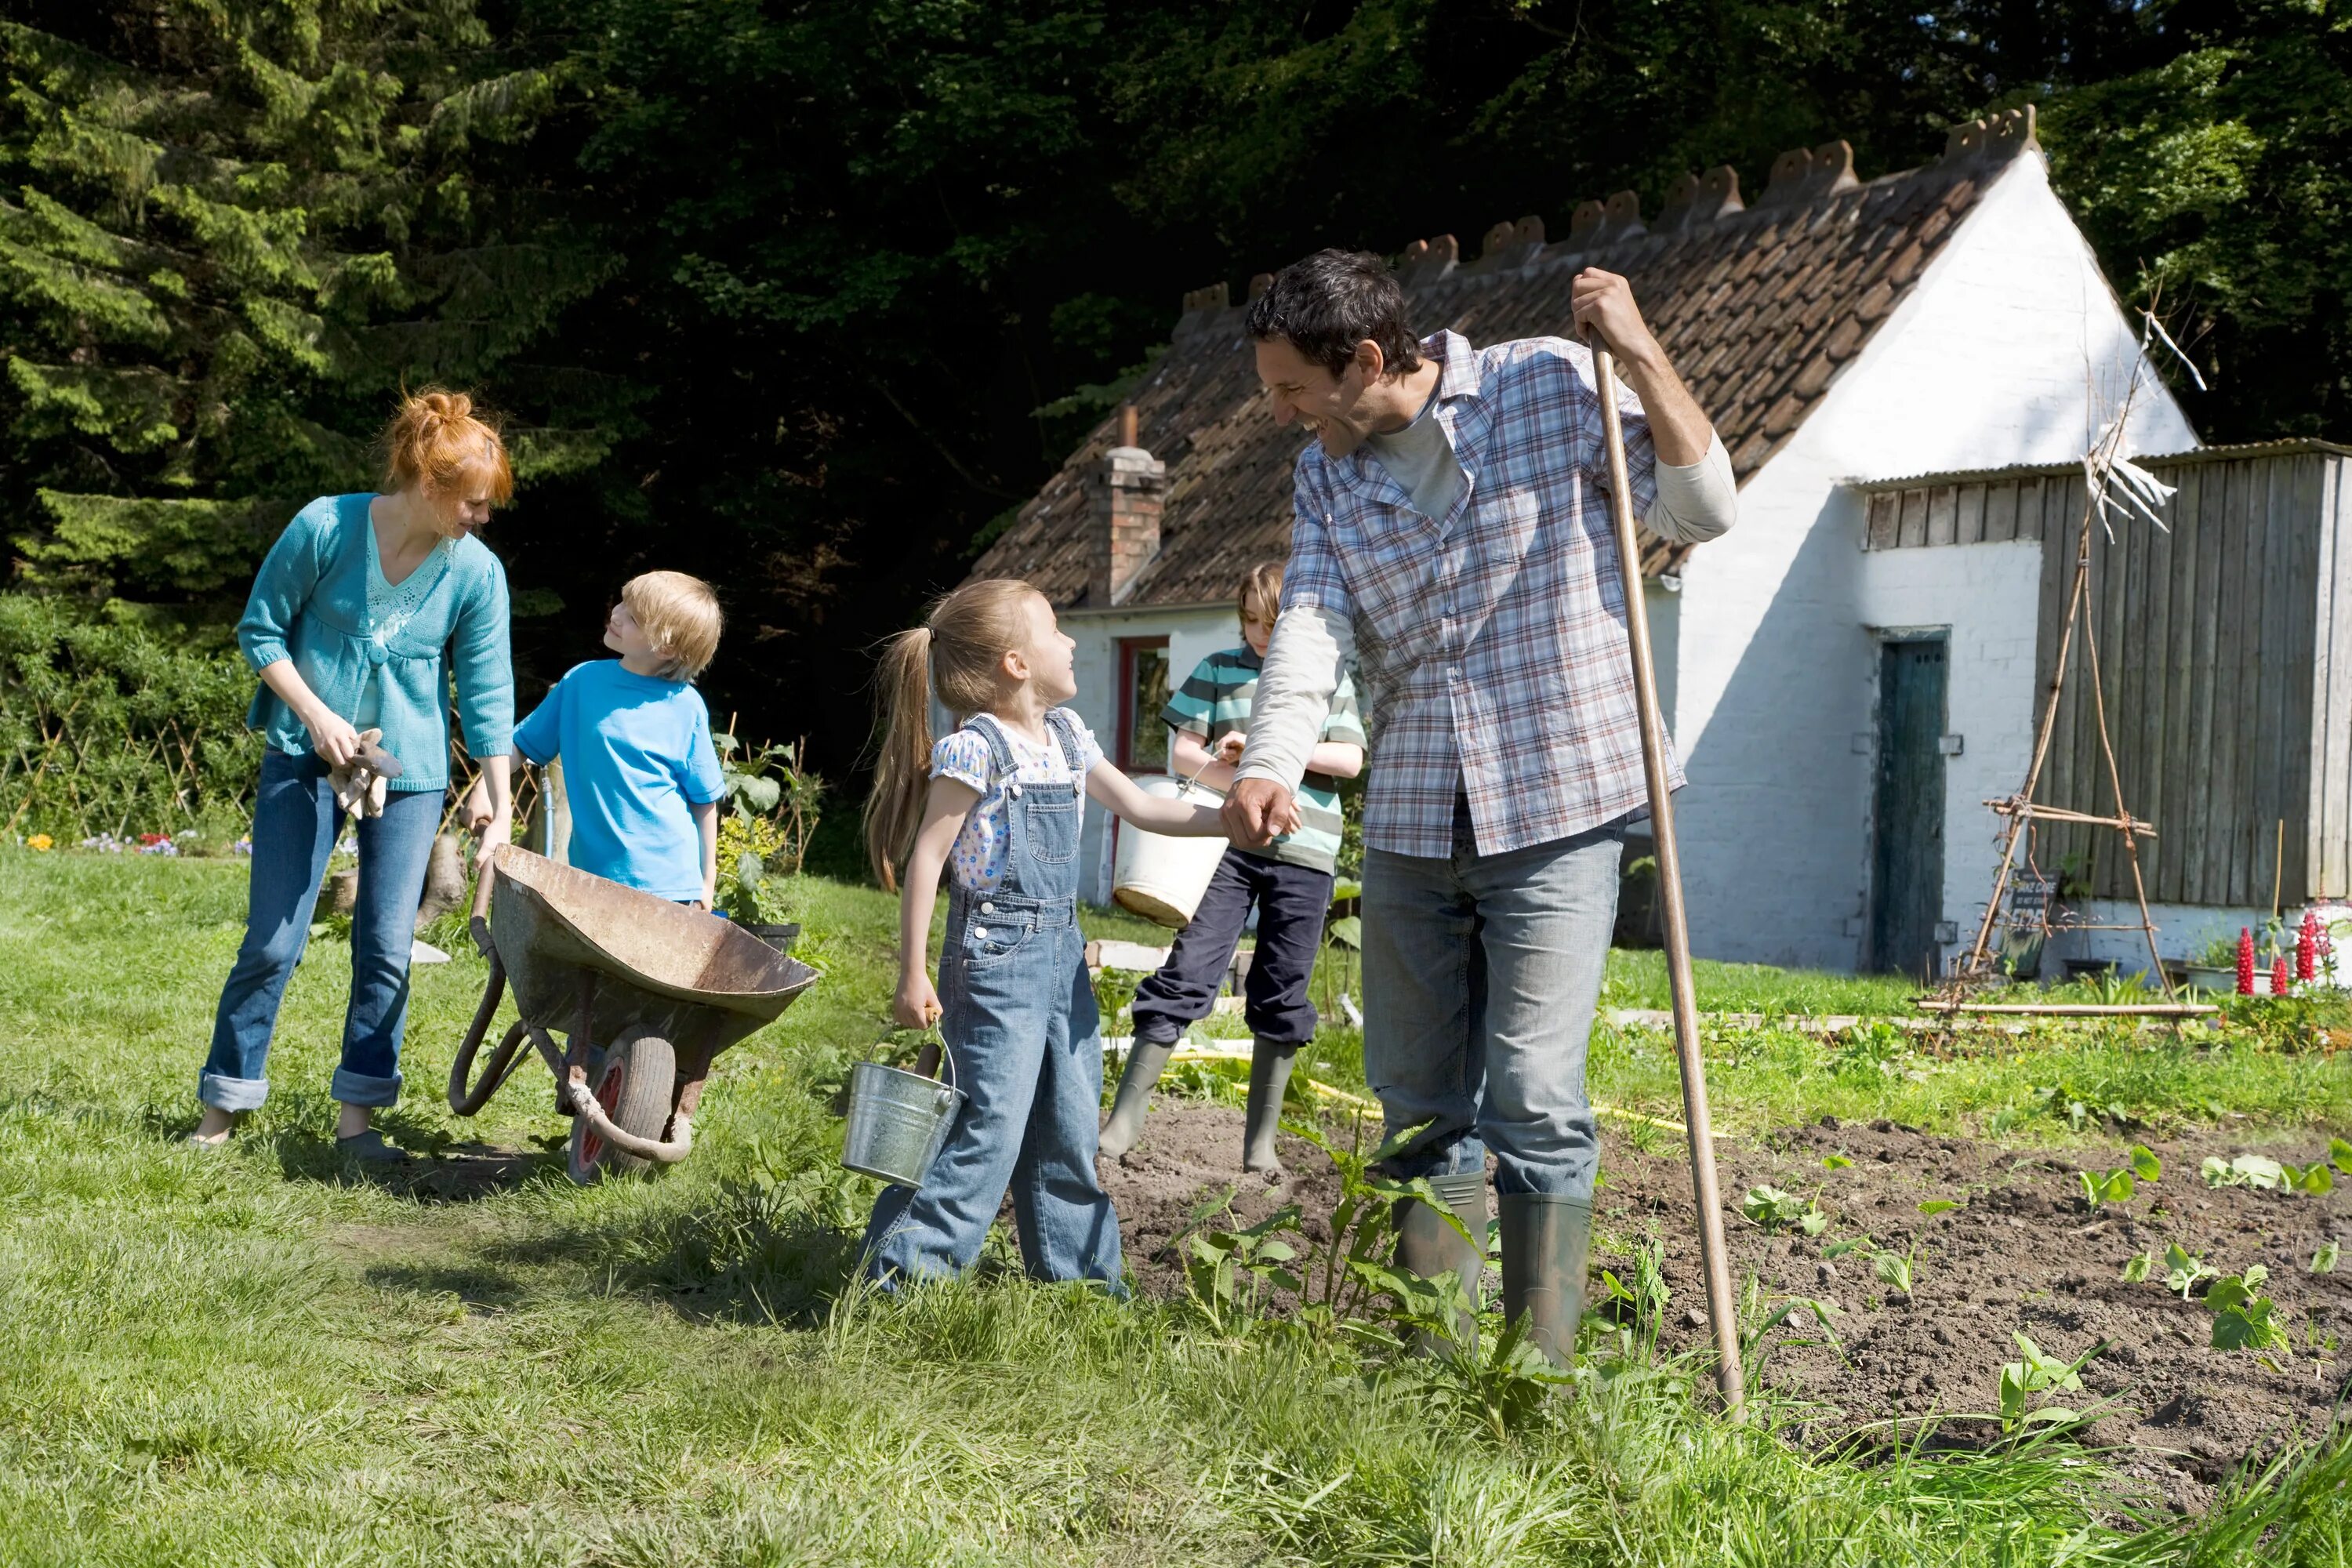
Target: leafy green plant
{"x":1894,"y":1269}
{"x":2181,"y":1272}
{"x":1934,"y":1206}
{"x":2241,"y":1316}
{"x":1772,"y":1209}
{"x":2265,"y":1173}
{"x":2323,"y":1260}
{"x":1836,"y":1162}
{"x":2112,"y":1187}
{"x":2025,"y":1381}
{"x":1230,"y":1274}
{"x":2339,"y":1154}
{"x":769,"y":784}
{"x":2137,"y":1268}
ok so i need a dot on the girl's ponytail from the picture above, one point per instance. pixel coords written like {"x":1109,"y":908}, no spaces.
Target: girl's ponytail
{"x":962,"y":642}
{"x":902,"y":778}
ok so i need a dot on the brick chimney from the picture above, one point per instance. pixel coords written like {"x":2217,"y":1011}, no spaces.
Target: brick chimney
{"x":1127,"y":499}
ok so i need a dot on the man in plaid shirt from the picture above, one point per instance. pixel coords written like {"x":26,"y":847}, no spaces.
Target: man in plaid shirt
{"x":1453,"y":537}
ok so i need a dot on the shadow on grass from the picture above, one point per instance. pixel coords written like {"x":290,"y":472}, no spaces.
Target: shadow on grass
{"x":435,"y":1171}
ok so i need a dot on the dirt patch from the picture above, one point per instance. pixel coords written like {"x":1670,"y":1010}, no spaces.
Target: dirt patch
{"x":1186,"y":1171}
{"x":2022,"y":1255}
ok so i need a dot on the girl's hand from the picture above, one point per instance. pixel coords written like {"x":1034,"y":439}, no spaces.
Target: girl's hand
{"x":918,"y":1005}
{"x":333,"y":737}
{"x":1229,"y":749}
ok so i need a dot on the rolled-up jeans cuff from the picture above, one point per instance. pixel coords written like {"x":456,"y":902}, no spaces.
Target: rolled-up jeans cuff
{"x":231,"y":1093}
{"x":351,"y":1087}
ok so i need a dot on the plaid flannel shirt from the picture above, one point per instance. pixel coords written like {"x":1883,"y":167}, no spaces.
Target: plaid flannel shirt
{"x":1490,"y":644}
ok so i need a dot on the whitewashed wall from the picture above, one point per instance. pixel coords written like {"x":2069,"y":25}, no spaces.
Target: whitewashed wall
{"x":2011,"y":350}
{"x":1192,"y":635}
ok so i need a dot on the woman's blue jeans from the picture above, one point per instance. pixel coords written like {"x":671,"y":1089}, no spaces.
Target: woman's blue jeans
{"x":295,"y":825}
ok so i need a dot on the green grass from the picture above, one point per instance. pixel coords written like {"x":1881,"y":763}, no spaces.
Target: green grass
{"x":247,"y":1359}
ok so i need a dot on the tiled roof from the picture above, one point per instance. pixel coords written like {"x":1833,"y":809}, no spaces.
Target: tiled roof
{"x":1760,"y":307}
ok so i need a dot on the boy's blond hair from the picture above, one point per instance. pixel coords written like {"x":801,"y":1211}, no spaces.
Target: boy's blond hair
{"x":1263,"y":589}
{"x":679,"y":615}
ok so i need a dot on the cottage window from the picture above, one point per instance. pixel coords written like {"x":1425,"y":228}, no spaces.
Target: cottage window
{"x":1142,"y":693}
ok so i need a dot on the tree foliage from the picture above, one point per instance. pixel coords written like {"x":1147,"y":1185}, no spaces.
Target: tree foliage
{"x":807,"y":297}
{"x":231,"y":231}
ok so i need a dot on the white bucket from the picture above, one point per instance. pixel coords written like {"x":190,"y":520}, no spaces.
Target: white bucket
{"x":1160,"y":878}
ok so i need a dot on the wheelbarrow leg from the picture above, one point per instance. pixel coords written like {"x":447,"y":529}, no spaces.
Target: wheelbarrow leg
{"x":577,"y":1057}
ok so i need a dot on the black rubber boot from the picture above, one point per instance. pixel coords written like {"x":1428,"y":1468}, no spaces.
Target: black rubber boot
{"x":1546,"y":1240}
{"x":1428,"y":1246}
{"x":1269,"y":1076}
{"x":1144,"y":1065}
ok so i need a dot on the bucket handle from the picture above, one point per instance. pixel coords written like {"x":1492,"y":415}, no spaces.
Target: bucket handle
{"x":935,"y":1041}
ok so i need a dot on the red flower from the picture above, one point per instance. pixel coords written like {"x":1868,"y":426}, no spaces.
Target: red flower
{"x":2306,"y":948}
{"x":2246,"y":960}
{"x":2279,"y":981}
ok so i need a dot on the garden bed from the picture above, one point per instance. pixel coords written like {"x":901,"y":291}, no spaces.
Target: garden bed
{"x":2021,"y":1254}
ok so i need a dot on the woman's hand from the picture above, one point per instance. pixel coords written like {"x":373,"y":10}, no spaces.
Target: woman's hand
{"x":478,"y":811}
{"x":496,"y":829}
{"x":918,"y":1005}
{"x":333,"y":737}
{"x":1229,"y":749}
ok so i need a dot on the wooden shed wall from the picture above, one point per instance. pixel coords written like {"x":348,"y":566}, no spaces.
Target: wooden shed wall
{"x":2224,"y":644}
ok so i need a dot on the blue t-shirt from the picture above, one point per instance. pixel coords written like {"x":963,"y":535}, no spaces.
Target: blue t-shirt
{"x":636,"y":754}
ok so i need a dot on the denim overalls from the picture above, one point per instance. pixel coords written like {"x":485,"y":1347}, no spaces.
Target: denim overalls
{"x":1023,"y":1031}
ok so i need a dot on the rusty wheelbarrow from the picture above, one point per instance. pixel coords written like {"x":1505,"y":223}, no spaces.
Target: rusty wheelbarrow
{"x":647,"y":991}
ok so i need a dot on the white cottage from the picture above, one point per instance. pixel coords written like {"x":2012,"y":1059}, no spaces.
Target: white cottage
{"x":1945,"y":321}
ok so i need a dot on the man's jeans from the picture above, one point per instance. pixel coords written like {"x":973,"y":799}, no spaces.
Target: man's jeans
{"x":295,"y":825}
{"x":1481,"y":972}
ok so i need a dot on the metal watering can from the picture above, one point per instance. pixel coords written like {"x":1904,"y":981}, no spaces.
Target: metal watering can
{"x":899,"y":1121}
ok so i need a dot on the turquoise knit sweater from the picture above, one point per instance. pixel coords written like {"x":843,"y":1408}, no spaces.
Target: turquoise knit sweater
{"x":310,"y":604}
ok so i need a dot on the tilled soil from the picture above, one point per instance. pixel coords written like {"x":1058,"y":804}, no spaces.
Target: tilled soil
{"x":2022,"y":1255}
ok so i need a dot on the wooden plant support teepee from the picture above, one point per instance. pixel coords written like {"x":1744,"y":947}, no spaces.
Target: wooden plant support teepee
{"x":2108,"y":473}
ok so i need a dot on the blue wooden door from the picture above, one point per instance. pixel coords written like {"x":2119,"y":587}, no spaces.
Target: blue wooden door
{"x":1906,"y":884}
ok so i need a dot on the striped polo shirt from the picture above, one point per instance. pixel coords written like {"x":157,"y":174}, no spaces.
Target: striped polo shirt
{"x":1214,"y":701}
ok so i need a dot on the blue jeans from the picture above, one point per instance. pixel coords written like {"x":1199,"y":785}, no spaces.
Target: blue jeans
{"x":1021,"y":1025}
{"x":1481,"y":972}
{"x":295,"y":825}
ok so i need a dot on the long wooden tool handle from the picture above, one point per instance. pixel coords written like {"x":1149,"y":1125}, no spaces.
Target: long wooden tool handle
{"x":1721,"y":1310}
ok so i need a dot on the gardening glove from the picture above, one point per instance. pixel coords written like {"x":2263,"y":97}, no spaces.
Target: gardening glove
{"x":359,"y":785}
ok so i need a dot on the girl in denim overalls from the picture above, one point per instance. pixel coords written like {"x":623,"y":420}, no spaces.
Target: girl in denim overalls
{"x":999,"y":801}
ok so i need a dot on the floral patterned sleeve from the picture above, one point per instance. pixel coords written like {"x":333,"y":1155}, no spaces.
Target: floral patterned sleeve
{"x":963,"y":757}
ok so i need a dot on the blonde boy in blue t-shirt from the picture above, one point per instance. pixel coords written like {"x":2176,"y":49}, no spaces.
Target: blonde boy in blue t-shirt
{"x":640,"y":773}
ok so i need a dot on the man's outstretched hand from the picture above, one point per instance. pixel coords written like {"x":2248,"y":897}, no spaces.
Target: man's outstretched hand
{"x":1259,"y":811}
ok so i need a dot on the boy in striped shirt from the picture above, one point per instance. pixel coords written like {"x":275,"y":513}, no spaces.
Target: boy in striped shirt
{"x":1289,"y":881}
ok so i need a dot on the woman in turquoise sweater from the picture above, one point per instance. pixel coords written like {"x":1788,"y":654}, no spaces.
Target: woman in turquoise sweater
{"x":365,"y":608}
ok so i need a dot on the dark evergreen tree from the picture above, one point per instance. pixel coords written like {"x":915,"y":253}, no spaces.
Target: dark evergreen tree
{"x":231,"y":231}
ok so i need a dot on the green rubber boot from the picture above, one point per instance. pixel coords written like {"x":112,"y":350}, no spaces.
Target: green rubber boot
{"x":1428,"y":1246}
{"x":1545,"y":1239}
{"x":1269,"y":1076}
{"x":1144,"y":1065}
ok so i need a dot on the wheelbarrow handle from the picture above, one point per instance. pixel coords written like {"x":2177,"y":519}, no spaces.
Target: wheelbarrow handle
{"x":464,"y":1100}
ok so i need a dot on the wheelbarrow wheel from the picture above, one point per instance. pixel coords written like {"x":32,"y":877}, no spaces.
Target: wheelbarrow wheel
{"x":632,"y":1082}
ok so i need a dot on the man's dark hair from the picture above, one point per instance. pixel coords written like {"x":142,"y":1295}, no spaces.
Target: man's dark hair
{"x":1334,"y":300}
